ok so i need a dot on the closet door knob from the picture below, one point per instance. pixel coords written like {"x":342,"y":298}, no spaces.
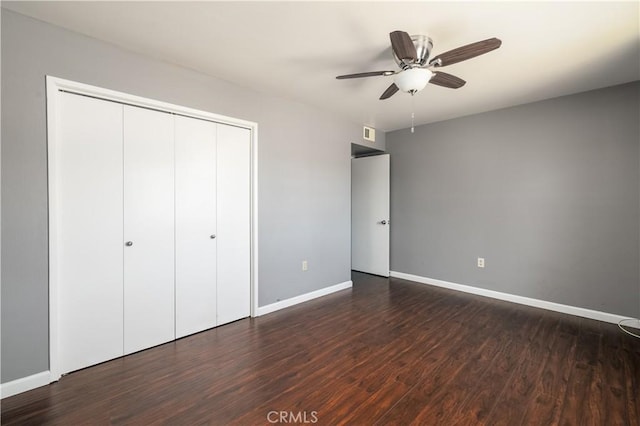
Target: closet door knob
{"x":128,"y":243}
{"x":213,"y":236}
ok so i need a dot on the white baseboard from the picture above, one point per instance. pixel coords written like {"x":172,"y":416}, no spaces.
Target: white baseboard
{"x":552,"y":306}
{"x":24,"y":384}
{"x":263,"y":310}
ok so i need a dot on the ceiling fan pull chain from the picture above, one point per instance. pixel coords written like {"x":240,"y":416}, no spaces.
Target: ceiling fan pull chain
{"x":413,"y":114}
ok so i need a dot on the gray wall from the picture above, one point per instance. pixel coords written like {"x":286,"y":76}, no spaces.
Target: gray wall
{"x":547,"y":193}
{"x":304,"y":177}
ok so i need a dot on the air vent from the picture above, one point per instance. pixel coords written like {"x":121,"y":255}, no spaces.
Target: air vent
{"x":369,"y":134}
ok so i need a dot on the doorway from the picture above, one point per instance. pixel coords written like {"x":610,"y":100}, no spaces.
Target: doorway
{"x":370,"y":221}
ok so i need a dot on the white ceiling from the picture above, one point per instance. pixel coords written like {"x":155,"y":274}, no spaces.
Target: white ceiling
{"x":295,"y":49}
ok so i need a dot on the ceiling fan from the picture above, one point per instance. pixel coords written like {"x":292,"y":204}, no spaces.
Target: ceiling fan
{"x":411,"y":54}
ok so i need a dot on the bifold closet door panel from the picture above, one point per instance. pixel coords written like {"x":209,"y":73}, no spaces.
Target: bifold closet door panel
{"x":86,"y":229}
{"x":148,"y":228}
{"x":195,"y":225}
{"x":234,"y":224}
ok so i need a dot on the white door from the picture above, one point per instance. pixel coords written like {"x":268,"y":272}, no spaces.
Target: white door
{"x":195,"y":225}
{"x":148,"y":228}
{"x":234,"y":212}
{"x":370,"y":214}
{"x":86,"y":229}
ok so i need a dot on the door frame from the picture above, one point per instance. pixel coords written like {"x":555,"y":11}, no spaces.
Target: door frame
{"x":55,"y":86}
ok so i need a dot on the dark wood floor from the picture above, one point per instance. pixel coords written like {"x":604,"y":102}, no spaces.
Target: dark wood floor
{"x":386,"y":352}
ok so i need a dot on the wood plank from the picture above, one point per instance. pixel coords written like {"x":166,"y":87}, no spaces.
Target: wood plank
{"x":488,"y":389}
{"x":445,"y":368}
{"x":520,"y":386}
{"x":546,"y":404}
{"x":577,"y":405}
{"x":630,"y":355}
{"x":610,"y":374}
{"x":448,"y":399}
{"x":319,"y":383}
{"x":387,"y":352}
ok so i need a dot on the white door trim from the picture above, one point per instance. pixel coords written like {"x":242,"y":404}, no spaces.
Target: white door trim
{"x":57,"y":85}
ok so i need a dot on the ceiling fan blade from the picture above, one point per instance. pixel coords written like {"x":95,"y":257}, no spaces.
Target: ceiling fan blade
{"x":365,"y":74}
{"x":403,"y":46}
{"x":466,"y":52}
{"x":391,"y":90}
{"x":447,"y":80}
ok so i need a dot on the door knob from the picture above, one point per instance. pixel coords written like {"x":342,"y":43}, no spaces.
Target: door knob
{"x":383,"y":222}
{"x":128,"y":243}
{"x":213,"y":236}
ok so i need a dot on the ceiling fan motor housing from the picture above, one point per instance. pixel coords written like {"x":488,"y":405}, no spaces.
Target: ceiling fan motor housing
{"x":423,"y":46}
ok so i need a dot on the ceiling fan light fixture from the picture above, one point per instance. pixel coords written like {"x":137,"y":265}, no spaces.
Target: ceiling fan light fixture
{"x":412,"y":80}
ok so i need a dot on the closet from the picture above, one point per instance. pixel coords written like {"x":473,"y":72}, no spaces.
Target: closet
{"x":151,"y":227}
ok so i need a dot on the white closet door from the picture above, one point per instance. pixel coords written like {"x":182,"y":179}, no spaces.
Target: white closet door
{"x":148,"y":228}
{"x":234,"y":211}
{"x":87,"y":231}
{"x":195,"y":225}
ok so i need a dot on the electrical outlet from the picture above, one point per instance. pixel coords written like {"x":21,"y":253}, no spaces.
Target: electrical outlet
{"x":481,"y":262}
{"x":305,"y":265}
